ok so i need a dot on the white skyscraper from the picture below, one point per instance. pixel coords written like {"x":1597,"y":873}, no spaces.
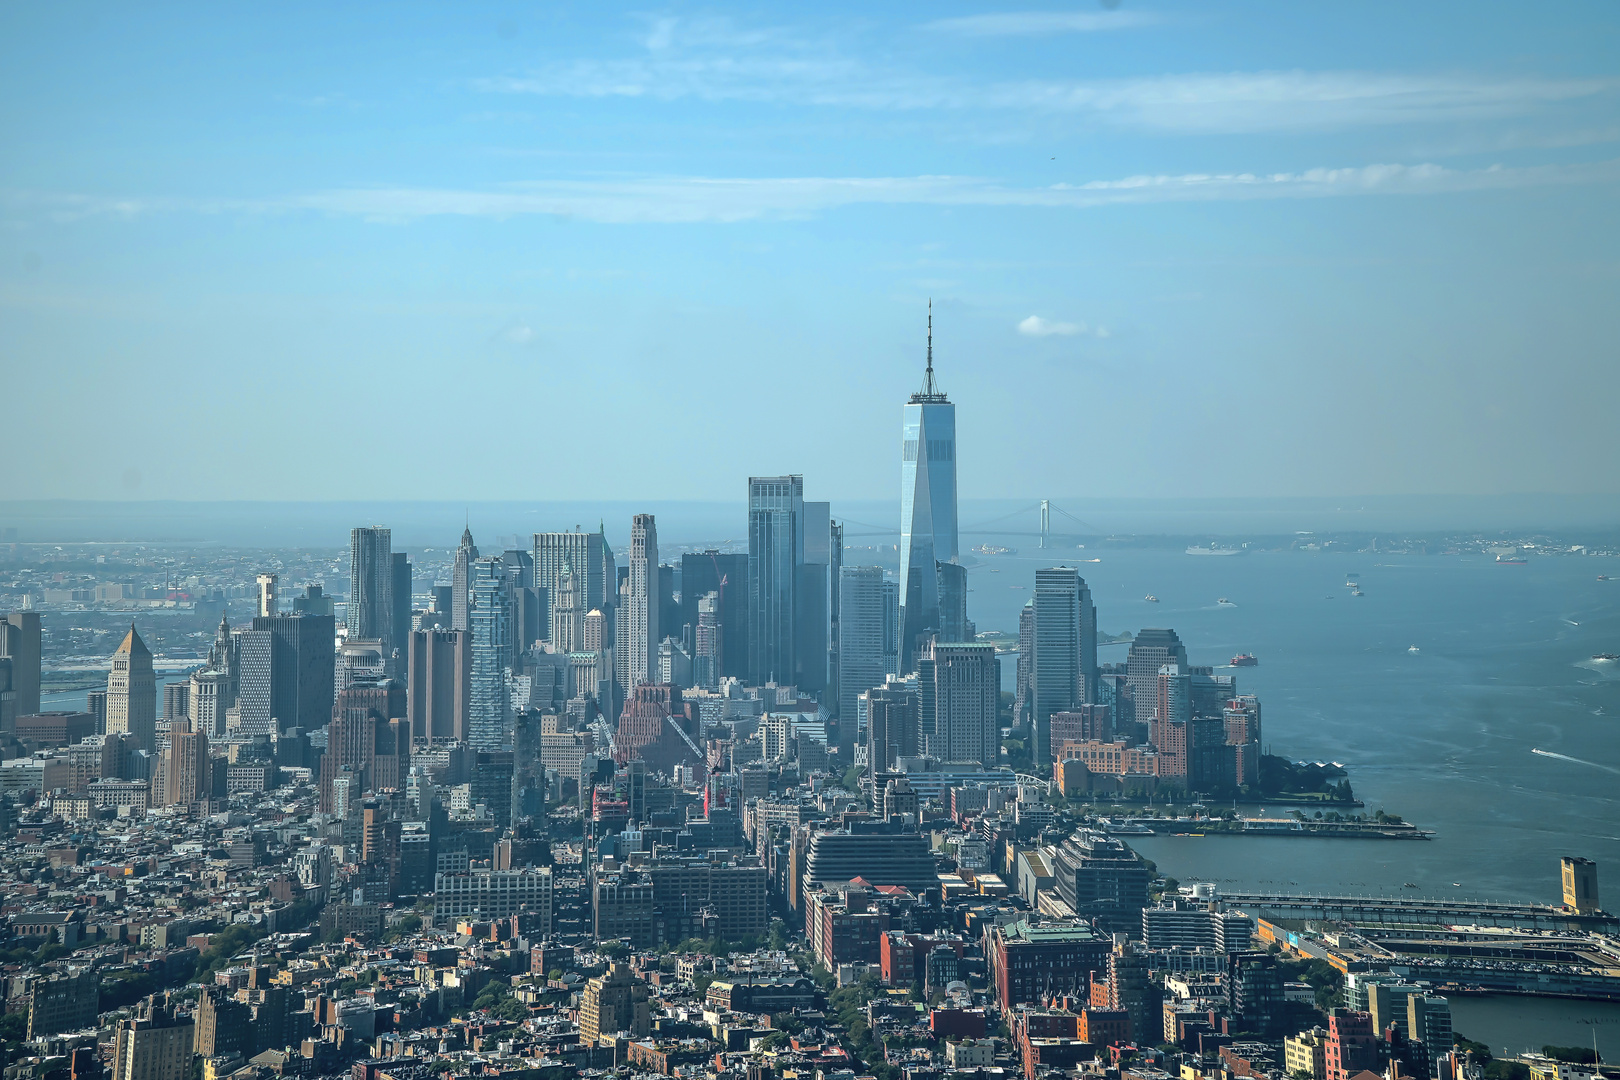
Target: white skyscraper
{"x":641,"y":605}
{"x":927,"y":506}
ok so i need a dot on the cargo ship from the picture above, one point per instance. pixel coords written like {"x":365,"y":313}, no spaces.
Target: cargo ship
{"x":1245,"y":660}
{"x":1213,"y":550}
{"x":1511,"y":560}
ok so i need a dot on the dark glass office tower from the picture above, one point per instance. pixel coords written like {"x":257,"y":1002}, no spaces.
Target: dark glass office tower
{"x":371,"y":587}
{"x":726,"y":576}
{"x":775,"y":554}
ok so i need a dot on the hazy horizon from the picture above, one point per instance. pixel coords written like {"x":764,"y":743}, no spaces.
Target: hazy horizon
{"x":419,"y":522}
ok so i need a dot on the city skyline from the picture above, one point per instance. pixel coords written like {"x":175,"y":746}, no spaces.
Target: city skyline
{"x":1228,"y":691}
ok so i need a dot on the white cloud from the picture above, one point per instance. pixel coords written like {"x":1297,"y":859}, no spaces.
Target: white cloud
{"x":779,"y":70}
{"x":1027,"y":23}
{"x":691,"y":200}
{"x":519,"y":335}
{"x":1035,"y":326}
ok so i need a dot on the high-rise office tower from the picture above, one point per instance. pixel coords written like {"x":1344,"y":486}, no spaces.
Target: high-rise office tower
{"x":1063,"y":665}
{"x":269,"y":603}
{"x":1150,"y":651}
{"x":314,"y":601}
{"x":438,"y":683}
{"x":954,"y":624}
{"x":567,"y":612}
{"x":401,"y":627}
{"x":862,"y":662}
{"x":891,"y":627}
{"x":213,"y":686}
{"x":186,"y":772}
{"x":491,"y":653}
{"x":530,"y":617}
{"x":371,"y":586}
{"x":958,"y":696}
{"x":640,"y":616}
{"x":257,"y":654}
{"x":1026,"y":659}
{"x":132,"y":692}
{"x":812,"y":600}
{"x":726,"y":576}
{"x":706,"y":642}
{"x":835,"y":565}
{"x":1173,"y":701}
{"x":302,"y":670}
{"x":928,"y":531}
{"x":891,"y":726}
{"x":20,"y":635}
{"x":590,"y":559}
{"x":775,"y":554}
{"x":176,"y":701}
{"x":461,"y":582}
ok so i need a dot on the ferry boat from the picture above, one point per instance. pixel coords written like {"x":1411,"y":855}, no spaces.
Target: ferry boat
{"x":1605,"y":657}
{"x":1245,"y":660}
{"x":1150,"y":598}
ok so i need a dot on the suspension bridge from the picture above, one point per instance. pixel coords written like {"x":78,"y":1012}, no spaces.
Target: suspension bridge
{"x":1039,"y":514}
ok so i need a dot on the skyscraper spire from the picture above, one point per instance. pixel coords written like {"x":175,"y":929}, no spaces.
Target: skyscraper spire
{"x":930,"y":392}
{"x":930,"y":341}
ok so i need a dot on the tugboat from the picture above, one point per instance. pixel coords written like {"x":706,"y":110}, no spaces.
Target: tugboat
{"x":1245,"y":660}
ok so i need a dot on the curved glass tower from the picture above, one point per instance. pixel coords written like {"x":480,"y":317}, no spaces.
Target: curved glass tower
{"x":927,"y":506}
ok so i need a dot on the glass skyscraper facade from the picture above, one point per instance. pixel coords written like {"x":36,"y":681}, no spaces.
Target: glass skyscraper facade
{"x":370,"y":614}
{"x":1063,"y":667}
{"x":775,"y":553}
{"x":491,"y":617}
{"x":928,"y":528}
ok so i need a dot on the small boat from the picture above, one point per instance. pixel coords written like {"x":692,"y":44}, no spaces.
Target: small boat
{"x":1358,"y":592}
{"x":1510,"y":560}
{"x":1410,"y":885}
{"x":1413,"y":648}
{"x":1605,"y":657}
{"x":1150,"y":598}
{"x":1224,"y":602}
{"x":1245,"y":660}
{"x":1603,"y":577}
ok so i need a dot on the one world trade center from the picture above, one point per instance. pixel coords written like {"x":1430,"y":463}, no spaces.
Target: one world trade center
{"x":927,"y":508}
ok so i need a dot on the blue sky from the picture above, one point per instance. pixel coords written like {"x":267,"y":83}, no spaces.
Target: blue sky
{"x":562,"y":252}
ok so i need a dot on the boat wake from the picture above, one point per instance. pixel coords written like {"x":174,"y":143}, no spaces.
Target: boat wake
{"x":1576,"y":760}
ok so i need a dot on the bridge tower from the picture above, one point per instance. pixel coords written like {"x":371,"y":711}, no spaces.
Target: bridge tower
{"x":1046,"y":523}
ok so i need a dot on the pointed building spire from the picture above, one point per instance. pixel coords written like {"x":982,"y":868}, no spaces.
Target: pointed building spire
{"x":930,"y":394}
